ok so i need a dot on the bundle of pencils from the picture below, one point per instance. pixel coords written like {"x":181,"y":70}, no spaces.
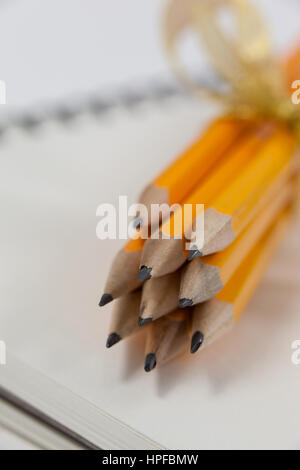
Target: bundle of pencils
{"x":245,"y":173}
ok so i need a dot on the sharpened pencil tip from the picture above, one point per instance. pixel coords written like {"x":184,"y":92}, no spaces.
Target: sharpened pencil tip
{"x":150,"y":362}
{"x":138,"y":222}
{"x":183,"y":303}
{"x":144,"y":321}
{"x":196,"y":342}
{"x":144,"y":274}
{"x":105,"y":299}
{"x":194,"y":253}
{"x":112,"y":339}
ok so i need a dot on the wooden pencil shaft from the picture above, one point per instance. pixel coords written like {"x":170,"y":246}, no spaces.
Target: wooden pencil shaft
{"x":258,"y":261}
{"x":240,"y":200}
{"x":167,"y":337}
{"x":267,"y":191}
{"x":217,"y":316}
{"x":228,"y":260}
{"x":160,"y":296}
{"x":213,"y":319}
{"x":123,"y":273}
{"x":125,"y":315}
{"x":266,"y":165}
{"x":166,"y":255}
{"x":179,"y":179}
{"x":227,"y":170}
{"x":204,"y":277}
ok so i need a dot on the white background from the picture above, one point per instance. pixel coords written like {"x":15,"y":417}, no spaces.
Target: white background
{"x":58,"y":48}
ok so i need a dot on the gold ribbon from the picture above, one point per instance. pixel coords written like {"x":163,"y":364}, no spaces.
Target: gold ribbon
{"x":243,"y":61}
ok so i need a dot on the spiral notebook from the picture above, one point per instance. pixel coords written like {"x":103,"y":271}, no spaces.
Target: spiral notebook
{"x":54,"y":174}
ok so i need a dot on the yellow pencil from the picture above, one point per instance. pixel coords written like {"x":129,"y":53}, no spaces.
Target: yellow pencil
{"x":216,"y":317}
{"x":233,"y":199}
{"x":203,"y":278}
{"x":166,"y":338}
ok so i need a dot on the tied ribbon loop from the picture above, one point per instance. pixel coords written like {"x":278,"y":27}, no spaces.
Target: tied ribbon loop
{"x":242,"y":62}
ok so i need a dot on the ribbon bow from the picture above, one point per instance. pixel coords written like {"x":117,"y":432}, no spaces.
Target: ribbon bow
{"x":243,"y":62}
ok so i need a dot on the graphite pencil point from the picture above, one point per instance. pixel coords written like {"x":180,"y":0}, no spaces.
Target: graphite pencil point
{"x":138,"y":222}
{"x":150,"y":362}
{"x":144,"y":321}
{"x":105,"y":299}
{"x":194,"y":253}
{"x":144,"y":273}
{"x":183,"y":303}
{"x":196,"y":342}
{"x":112,"y":339}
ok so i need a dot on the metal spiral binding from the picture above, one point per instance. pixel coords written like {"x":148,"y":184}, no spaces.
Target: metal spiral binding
{"x":98,"y":104}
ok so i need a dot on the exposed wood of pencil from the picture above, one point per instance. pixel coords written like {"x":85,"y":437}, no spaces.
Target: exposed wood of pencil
{"x":160,"y":296}
{"x":122,"y":277}
{"x":166,"y":338}
{"x":179,"y":179}
{"x":240,"y":201}
{"x":216,"y":317}
{"x":203,"y":278}
{"x":124,"y":317}
{"x":162,"y":256}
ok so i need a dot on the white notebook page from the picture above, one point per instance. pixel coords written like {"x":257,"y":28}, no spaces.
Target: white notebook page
{"x":242,"y":392}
